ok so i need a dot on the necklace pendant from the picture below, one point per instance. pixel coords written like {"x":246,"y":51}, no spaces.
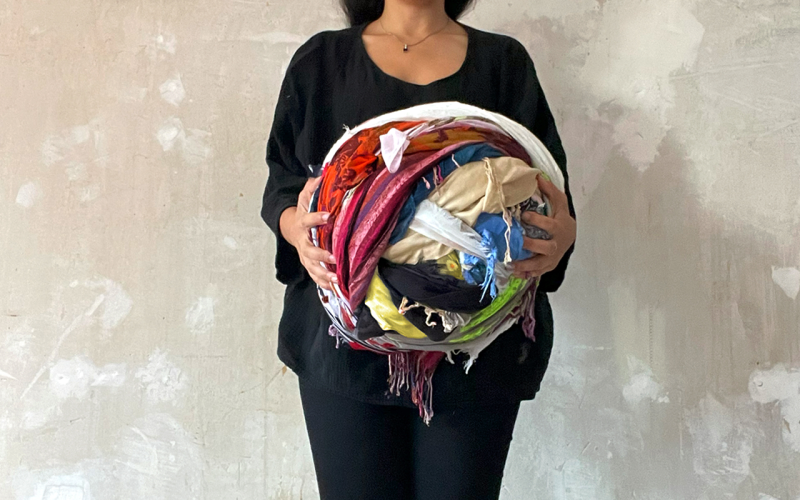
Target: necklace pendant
{"x":405,"y":47}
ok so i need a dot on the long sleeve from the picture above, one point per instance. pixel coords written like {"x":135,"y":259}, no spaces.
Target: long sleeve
{"x":286,"y":176}
{"x":523,"y":100}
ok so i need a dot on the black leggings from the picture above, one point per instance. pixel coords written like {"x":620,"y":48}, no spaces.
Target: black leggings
{"x":364,"y":451}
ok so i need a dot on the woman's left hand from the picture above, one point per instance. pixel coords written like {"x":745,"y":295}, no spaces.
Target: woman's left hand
{"x":559,"y":224}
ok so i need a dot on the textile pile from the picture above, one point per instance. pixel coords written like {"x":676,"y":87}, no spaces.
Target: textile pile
{"x":425,"y":220}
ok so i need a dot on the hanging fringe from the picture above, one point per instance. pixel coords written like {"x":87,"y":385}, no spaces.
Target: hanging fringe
{"x":489,"y":280}
{"x":399,"y":371}
{"x":438,"y":178}
{"x":413,"y":371}
{"x":529,"y":312}
{"x":509,"y":222}
{"x":334,"y":332}
{"x":406,"y":305}
{"x":468,"y":364}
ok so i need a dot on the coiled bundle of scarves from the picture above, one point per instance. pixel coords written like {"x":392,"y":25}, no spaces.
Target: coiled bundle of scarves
{"x":425,"y":219}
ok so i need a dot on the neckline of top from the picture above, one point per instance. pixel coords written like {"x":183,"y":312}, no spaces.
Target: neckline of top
{"x":363,"y":49}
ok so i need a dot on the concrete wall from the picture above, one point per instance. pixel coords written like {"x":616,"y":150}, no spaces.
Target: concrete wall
{"x":138,"y":309}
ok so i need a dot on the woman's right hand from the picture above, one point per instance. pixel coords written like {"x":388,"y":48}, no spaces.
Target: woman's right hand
{"x":296,"y":222}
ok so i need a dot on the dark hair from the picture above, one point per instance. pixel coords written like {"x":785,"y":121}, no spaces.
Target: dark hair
{"x":365,"y":11}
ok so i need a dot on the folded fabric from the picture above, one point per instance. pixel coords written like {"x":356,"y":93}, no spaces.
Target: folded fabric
{"x":427,"y":285}
{"x":436,"y":324}
{"x":505,"y":239}
{"x":393,"y":144}
{"x":451,"y":265}
{"x":376,"y":202}
{"x":379,"y":302}
{"x":453,"y":110}
{"x":489,"y":185}
{"x":441,"y":302}
{"x":432,"y":179}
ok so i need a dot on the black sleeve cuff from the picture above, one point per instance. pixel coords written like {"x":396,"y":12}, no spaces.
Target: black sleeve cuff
{"x":288,"y":268}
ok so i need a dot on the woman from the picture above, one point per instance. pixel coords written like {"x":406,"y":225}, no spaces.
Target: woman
{"x":367,"y":443}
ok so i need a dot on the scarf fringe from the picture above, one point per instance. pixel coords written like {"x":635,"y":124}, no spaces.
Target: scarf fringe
{"x":413,"y":371}
{"x":529,"y":312}
{"x":335,"y":333}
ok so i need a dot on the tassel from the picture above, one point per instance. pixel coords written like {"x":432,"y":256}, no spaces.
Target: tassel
{"x":489,"y":280}
{"x":413,"y":371}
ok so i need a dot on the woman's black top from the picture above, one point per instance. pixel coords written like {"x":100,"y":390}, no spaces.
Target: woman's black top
{"x":331,"y":83}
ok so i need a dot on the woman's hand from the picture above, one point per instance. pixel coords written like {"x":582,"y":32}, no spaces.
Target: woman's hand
{"x":296,"y":222}
{"x":559,"y":224}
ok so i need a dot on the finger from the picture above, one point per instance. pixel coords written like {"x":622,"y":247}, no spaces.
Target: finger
{"x":309,"y":220}
{"x":541,"y":271}
{"x":536,"y":273}
{"x":321,"y":276}
{"x":326,"y":274}
{"x":316,"y":271}
{"x":325,"y":285}
{"x":526,"y":275}
{"x":304,"y":199}
{"x":532,"y":264}
{"x":312,"y":184}
{"x":557,"y":198}
{"x":540,"y":247}
{"x":316,"y":266}
{"x":540,"y":221}
{"x":317,"y":254}
{"x":523,"y":275}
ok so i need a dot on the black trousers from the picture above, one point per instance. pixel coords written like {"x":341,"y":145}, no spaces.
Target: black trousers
{"x":363,"y":451}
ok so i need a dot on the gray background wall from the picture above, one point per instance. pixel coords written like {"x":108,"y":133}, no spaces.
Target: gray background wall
{"x":138,"y":307}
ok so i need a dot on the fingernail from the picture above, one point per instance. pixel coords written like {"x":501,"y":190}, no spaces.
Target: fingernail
{"x":326,"y":217}
{"x":332,"y":259}
{"x":334,"y":279}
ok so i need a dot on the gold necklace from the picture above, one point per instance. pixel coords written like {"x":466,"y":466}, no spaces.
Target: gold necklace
{"x":407,"y":45}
